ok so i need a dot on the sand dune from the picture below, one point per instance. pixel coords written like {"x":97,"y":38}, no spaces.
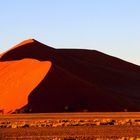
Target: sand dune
{"x":78,"y":79}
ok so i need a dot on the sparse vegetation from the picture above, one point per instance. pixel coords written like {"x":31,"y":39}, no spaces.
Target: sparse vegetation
{"x":70,"y":122}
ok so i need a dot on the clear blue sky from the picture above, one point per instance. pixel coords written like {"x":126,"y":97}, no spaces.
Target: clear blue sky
{"x":110,"y":26}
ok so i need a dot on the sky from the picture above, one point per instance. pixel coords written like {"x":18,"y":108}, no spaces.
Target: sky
{"x":109,"y":26}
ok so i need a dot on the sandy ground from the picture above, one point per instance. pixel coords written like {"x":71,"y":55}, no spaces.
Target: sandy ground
{"x":71,"y":126}
{"x":111,"y":132}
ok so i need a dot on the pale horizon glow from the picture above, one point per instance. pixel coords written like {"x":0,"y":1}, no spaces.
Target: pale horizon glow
{"x":112,"y":27}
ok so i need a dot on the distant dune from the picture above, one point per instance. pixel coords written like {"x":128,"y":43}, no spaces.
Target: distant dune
{"x":66,"y":80}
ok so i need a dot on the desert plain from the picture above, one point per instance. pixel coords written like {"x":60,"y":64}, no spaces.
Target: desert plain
{"x":71,"y":126}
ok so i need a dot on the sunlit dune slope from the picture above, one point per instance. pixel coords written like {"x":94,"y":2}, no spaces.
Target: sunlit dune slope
{"x":18,"y":79}
{"x":79,"y":79}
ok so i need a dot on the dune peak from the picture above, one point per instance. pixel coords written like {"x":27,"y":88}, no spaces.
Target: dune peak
{"x":27,"y":41}
{"x":23,"y":43}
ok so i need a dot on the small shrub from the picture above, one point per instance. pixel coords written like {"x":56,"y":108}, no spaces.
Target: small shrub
{"x":26,"y":125}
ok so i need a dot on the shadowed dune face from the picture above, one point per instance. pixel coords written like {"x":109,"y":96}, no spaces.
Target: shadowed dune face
{"x":78,"y":79}
{"x":18,"y":79}
{"x":66,"y":92}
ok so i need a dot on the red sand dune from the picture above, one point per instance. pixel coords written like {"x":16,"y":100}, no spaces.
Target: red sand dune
{"x":18,"y":79}
{"x":79,"y":79}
